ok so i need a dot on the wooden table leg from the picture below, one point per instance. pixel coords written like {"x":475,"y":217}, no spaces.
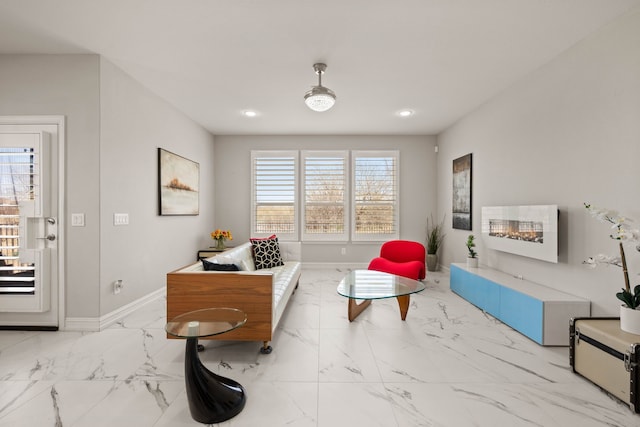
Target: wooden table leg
{"x":355,"y":309}
{"x":403,"y":302}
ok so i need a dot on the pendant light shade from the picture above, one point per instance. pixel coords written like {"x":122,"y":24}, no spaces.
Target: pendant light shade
{"x":320,"y":98}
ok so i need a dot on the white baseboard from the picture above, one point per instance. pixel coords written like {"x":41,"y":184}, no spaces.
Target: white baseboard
{"x":83,"y":324}
{"x":95,"y":324}
{"x":335,"y":265}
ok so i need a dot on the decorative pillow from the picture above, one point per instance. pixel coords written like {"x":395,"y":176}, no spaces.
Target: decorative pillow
{"x":266,"y":252}
{"x":222,"y":259}
{"x":213,"y":266}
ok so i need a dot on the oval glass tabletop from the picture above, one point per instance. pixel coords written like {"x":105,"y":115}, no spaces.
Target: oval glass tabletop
{"x":370,"y":284}
{"x":206,"y":322}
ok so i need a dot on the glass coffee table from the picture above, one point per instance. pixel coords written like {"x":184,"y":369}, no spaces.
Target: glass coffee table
{"x":212,"y":398}
{"x":368,"y":285}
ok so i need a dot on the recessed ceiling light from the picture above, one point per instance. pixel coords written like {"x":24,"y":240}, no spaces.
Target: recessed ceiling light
{"x":405,"y":113}
{"x":250,"y":113}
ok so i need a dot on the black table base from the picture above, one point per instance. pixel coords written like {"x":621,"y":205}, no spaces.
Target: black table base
{"x":212,"y":398}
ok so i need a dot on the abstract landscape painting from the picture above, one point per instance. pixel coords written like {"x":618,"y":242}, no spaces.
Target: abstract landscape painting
{"x":462,"y":193}
{"x":179,"y":184}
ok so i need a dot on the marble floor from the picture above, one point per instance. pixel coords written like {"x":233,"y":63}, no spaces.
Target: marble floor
{"x":449,"y":364}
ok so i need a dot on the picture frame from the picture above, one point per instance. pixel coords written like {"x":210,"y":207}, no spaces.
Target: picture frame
{"x":178,"y":184}
{"x":462,"y":192}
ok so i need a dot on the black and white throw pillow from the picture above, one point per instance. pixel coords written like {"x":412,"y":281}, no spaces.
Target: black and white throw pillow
{"x":266,"y":252}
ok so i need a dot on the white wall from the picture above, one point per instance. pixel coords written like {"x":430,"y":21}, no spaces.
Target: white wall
{"x":567,"y":134}
{"x":417,"y":185}
{"x":133,"y":124}
{"x":114,"y":126}
{"x":66,"y":85}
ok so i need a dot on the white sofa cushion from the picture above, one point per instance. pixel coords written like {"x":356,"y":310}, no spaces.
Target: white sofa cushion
{"x":291,"y":251}
{"x":285,"y":280}
{"x":240,"y":256}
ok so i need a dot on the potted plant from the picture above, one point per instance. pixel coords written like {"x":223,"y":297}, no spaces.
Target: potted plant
{"x":472,"y":257}
{"x":434,"y":241}
{"x":623,"y":233}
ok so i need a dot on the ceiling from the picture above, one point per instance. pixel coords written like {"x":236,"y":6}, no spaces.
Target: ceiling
{"x":214,"y":59}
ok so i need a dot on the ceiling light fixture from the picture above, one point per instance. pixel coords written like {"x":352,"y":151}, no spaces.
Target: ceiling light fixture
{"x":320,"y":98}
{"x":250,"y":113}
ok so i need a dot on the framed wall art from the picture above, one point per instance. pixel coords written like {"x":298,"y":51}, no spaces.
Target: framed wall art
{"x":461,"y":210}
{"x":178,"y":184}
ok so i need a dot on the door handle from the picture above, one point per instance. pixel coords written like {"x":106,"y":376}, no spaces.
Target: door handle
{"x":49,"y":237}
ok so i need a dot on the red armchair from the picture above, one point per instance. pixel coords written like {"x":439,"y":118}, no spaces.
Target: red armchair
{"x":401,"y":257}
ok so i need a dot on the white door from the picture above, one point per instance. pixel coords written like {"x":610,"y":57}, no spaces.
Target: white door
{"x":28,"y":227}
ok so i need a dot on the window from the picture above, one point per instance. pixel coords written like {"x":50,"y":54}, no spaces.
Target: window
{"x":325,"y":195}
{"x":274,"y":193}
{"x":375,"y":201}
{"x":339,"y":199}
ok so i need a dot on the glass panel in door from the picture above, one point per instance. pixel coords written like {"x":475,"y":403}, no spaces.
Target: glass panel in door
{"x":18,"y":179}
{"x":27,"y":232}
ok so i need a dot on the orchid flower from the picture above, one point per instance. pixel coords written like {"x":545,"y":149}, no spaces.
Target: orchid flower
{"x":622,"y":233}
{"x":593,"y":262}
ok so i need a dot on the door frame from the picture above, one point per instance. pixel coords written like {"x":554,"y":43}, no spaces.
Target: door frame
{"x":59,"y":121}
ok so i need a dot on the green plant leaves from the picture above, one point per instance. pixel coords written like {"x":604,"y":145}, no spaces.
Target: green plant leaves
{"x":630,"y":299}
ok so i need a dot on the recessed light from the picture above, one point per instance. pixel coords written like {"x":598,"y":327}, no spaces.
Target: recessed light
{"x":250,"y":113}
{"x":405,"y":113}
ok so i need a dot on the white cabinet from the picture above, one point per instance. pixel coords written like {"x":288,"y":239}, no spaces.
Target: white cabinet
{"x":539,"y":312}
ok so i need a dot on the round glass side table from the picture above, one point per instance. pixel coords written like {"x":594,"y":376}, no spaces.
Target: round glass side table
{"x":212,"y":398}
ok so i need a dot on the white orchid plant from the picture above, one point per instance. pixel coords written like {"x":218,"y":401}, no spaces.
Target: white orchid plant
{"x":622,"y":232}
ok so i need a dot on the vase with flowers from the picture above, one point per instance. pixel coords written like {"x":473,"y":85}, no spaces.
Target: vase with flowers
{"x":219,"y":236}
{"x":623,"y":233}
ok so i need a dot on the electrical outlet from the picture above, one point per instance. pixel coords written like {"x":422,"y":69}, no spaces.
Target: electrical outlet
{"x":343,"y":251}
{"x":117,"y":287}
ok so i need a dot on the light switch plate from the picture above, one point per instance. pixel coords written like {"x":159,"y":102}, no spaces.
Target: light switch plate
{"x":120,"y":219}
{"x":77,"y":220}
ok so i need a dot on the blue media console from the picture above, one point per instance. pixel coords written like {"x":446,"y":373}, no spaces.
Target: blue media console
{"x":536,"y":311}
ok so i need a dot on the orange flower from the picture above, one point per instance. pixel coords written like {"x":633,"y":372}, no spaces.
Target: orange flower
{"x":221,"y":234}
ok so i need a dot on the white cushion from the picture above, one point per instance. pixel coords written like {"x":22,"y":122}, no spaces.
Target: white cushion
{"x":240,"y":256}
{"x":285,"y":278}
{"x":291,"y":251}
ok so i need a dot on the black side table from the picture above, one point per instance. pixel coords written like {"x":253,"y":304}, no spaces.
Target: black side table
{"x":212,"y":398}
{"x":208,"y":253}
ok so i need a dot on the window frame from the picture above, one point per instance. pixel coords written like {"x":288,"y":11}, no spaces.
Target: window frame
{"x":375,"y":237}
{"x":350,"y":204}
{"x":274,"y":154}
{"x":346,"y":201}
